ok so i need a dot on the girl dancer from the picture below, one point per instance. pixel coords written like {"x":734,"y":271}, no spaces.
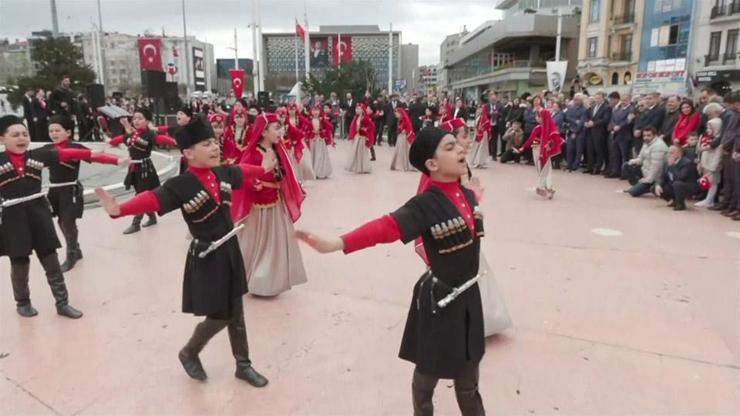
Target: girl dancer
{"x":237,"y":131}
{"x":546,"y":142}
{"x":65,"y":191}
{"x":322,"y":133}
{"x":403,"y":143}
{"x":271,"y":205}
{"x":142,"y":174}
{"x":305,"y":163}
{"x":362,"y":138}
{"x":229,"y":153}
{"x":479,"y":155}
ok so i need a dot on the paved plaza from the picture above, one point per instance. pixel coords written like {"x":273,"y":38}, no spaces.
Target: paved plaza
{"x":620,"y":306}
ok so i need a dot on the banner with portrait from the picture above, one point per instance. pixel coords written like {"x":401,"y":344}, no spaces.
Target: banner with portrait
{"x":199,"y":69}
{"x":319,"y":50}
{"x":556,"y":75}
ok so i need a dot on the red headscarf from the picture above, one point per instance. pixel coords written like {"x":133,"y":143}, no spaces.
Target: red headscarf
{"x":327,"y":129}
{"x":404,"y":124}
{"x":551,"y":142}
{"x":453,"y":124}
{"x":447,"y":115}
{"x":483,"y":126}
{"x":290,"y":191}
{"x":365,"y":128}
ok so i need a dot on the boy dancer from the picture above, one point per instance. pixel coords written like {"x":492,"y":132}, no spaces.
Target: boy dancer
{"x":65,"y":190}
{"x":25,"y":218}
{"x":214,"y":279}
{"x":444,"y":328}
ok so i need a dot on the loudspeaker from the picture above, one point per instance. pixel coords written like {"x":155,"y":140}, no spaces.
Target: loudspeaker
{"x":95,"y":95}
{"x":171,"y":100}
{"x":153,"y":83}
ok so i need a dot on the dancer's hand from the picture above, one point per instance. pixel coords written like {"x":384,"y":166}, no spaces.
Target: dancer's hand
{"x":124,"y":162}
{"x":110,"y":205}
{"x":322,"y":245}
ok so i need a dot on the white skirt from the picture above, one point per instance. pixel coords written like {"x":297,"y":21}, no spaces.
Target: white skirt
{"x":305,"y":166}
{"x":401,"y":156}
{"x":496,"y":317}
{"x":359,"y":157}
{"x":272,"y":258}
{"x":321,"y":162}
{"x":479,"y":155}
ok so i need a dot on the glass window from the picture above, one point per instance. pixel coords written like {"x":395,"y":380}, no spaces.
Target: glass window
{"x":731,"y":47}
{"x":592,"y":46}
{"x":595,"y":6}
{"x":714,"y":39}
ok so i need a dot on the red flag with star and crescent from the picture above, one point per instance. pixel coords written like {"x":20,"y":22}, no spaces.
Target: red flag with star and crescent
{"x":237,"y":82}
{"x":342,"y":49}
{"x":150,"y":56}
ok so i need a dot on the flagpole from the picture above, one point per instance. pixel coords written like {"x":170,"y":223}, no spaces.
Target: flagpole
{"x":187,"y":50}
{"x":297,"y":76}
{"x":236,"y":52}
{"x":307,"y":40}
{"x":390,"y":60}
{"x":261,"y":66}
{"x":255,"y":79}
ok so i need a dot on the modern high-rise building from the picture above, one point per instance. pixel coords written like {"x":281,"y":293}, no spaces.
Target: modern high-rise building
{"x":409,"y":67}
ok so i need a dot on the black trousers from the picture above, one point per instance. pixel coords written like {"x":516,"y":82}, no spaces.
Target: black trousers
{"x":392,"y":132}
{"x":237,"y":329}
{"x":595,"y":152}
{"x":466,"y":391}
{"x":379,"y":126}
{"x":509,"y":155}
{"x":678,"y":191}
{"x":728,"y":181}
{"x":619,"y":153}
{"x":68,"y":224}
{"x":737,"y":185}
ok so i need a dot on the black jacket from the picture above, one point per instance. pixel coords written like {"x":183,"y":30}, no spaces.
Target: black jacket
{"x":683,"y":171}
{"x":600,"y":119}
{"x":651,"y":118}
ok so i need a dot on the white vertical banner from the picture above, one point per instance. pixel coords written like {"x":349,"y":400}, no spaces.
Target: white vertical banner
{"x":556,"y":75}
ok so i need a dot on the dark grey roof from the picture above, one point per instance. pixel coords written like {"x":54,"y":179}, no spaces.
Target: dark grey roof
{"x":348,"y":29}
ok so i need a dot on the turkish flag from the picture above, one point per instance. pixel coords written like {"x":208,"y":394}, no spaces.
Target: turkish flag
{"x":300,"y":31}
{"x":342,"y":49}
{"x":237,"y":82}
{"x":150,"y":57}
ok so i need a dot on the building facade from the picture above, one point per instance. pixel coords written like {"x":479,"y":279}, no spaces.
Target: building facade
{"x":610,"y":43}
{"x":409,"y":67}
{"x":664,"y":47}
{"x":284,"y":52}
{"x":510,"y":55}
{"x":448,"y":46}
{"x":122,"y":70}
{"x":15,"y":61}
{"x":714,"y":59}
{"x":428,"y":78}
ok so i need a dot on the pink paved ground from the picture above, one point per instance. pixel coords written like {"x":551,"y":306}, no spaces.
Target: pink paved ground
{"x":647,"y":323}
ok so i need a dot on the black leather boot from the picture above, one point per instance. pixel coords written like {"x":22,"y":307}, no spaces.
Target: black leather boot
{"x":240,"y":349}
{"x":135,"y":226}
{"x":69,"y":229}
{"x":55,"y":278}
{"x":151,"y":221}
{"x":21,"y":293}
{"x":188,"y":356}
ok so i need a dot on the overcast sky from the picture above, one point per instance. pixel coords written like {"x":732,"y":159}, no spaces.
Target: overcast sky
{"x":424,"y":22}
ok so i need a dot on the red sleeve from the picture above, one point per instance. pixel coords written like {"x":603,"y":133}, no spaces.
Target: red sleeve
{"x":163,"y":129}
{"x":140,"y":204}
{"x":117,"y":140}
{"x":66,"y":155}
{"x":535,"y":134}
{"x":104,"y":159}
{"x":384,"y":230}
{"x":251,"y":172}
{"x":162,"y":140}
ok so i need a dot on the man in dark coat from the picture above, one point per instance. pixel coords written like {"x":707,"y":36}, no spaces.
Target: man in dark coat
{"x":597,"y":124}
{"x":416,"y":112}
{"x":390,"y":119}
{"x":652,"y":117}
{"x":620,"y":138}
{"x":679,"y":181}
{"x":670,"y":119}
{"x":28,"y":113}
{"x":348,"y":105}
